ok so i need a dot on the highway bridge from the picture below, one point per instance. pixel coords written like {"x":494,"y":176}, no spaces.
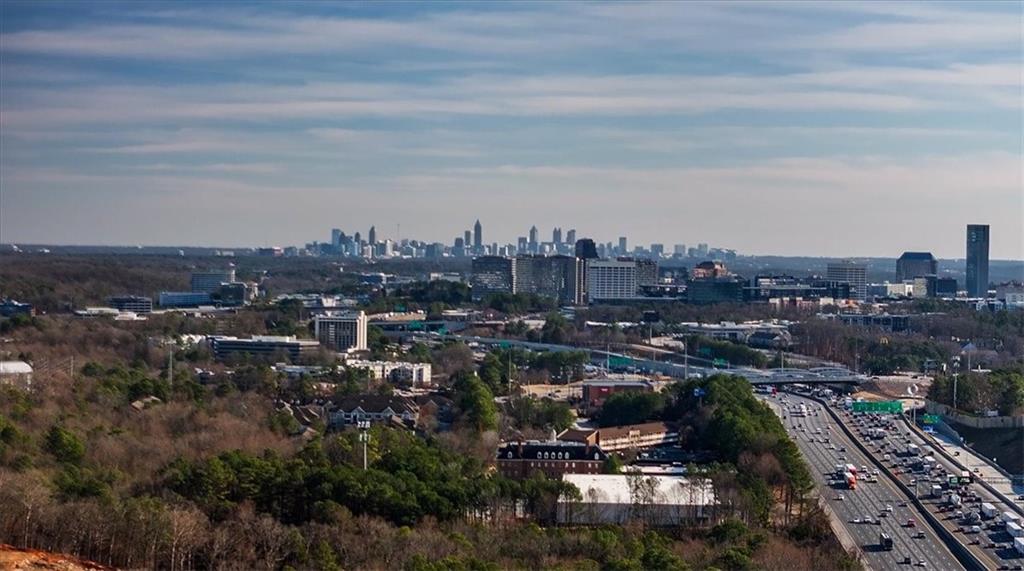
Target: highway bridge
{"x":677,"y":365}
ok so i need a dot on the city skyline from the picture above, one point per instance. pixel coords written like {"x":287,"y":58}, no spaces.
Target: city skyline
{"x":820,"y":129}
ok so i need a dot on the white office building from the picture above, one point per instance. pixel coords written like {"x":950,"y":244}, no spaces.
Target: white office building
{"x":342,"y":331}
{"x":611,"y":279}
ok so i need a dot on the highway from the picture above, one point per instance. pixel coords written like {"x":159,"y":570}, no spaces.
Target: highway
{"x":868,"y":500}
{"x":673,"y":364}
{"x":993,"y":546}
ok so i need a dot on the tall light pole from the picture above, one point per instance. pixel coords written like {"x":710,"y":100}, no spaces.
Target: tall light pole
{"x":955,"y":378}
{"x":364,"y":437}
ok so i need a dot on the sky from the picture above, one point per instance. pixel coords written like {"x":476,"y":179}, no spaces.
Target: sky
{"x":799,"y":128}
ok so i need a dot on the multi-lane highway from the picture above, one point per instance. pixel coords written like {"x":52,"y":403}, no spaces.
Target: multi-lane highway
{"x":992,"y":544}
{"x":869,"y":501}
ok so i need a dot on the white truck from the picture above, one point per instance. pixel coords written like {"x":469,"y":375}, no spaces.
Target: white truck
{"x":1014,"y":529}
{"x":988,"y":510}
{"x":1010,"y":517}
{"x":1018,"y":543}
{"x":913,"y":450}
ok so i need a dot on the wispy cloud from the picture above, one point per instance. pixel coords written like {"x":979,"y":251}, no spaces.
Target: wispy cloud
{"x":782,"y":111}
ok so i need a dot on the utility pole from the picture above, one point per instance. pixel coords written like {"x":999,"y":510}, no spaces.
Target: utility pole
{"x":170,"y":366}
{"x":686,"y":361}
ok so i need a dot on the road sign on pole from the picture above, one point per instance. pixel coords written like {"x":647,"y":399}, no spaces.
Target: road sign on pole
{"x":930,"y":418}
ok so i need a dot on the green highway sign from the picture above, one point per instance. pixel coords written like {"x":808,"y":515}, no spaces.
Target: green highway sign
{"x":616,"y":361}
{"x":890,"y":406}
{"x":930,"y":418}
{"x":720,"y":363}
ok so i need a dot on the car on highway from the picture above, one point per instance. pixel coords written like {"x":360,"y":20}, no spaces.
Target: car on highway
{"x":840,"y":497}
{"x":911,"y":523}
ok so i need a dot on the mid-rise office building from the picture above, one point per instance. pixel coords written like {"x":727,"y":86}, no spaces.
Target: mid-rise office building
{"x":646,"y":273}
{"x":396,"y":372}
{"x":209,"y":282}
{"x":852,"y":273}
{"x":916,"y":264}
{"x":557,"y":277}
{"x":611,"y":279}
{"x":342,"y":331}
{"x":726,"y":289}
{"x":184,"y":299}
{"x":493,"y":275}
{"x":132,"y":303}
{"x":977,"y":260}
{"x":269,"y":347}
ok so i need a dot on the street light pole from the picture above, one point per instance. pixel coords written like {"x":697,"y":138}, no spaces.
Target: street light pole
{"x":364,"y":437}
{"x":955,"y":376}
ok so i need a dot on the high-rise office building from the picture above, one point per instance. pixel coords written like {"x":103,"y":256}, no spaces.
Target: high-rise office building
{"x":372,"y":235}
{"x":478,"y":236}
{"x":336,"y":237}
{"x":523,"y":245}
{"x":209,"y":282}
{"x":915,"y":264}
{"x":977,"y":260}
{"x":492,"y":275}
{"x":679,"y":250}
{"x":534,"y":246}
{"x":657,"y":250}
{"x":570,"y":236}
{"x":556,"y":236}
{"x":623,"y":246}
{"x":852,"y":273}
{"x":586,"y":249}
{"x":611,"y":279}
{"x":342,"y":332}
{"x":467,"y":238}
{"x":557,"y":277}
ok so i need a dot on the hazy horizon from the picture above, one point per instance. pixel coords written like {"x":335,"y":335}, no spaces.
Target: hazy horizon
{"x":793,"y":129}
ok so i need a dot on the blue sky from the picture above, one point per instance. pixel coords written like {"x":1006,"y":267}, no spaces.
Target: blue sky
{"x":792,"y":128}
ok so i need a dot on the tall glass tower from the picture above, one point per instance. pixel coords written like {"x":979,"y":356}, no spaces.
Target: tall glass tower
{"x":977,"y":260}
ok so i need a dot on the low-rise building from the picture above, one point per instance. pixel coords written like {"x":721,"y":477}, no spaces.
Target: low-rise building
{"x":10,"y":308}
{"x":615,"y":499}
{"x":184,"y":299}
{"x":351,"y":409}
{"x":132,"y":303}
{"x":625,"y":437}
{"x":262,"y":346}
{"x":519,"y":459}
{"x":16,"y":373}
{"x":596,"y":391}
{"x":396,"y":372}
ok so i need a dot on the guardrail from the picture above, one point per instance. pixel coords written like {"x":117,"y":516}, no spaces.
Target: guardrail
{"x":981,"y":481}
{"x":960,"y":551}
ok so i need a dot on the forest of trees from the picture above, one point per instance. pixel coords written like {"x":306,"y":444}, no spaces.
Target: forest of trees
{"x":1001,"y":390}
